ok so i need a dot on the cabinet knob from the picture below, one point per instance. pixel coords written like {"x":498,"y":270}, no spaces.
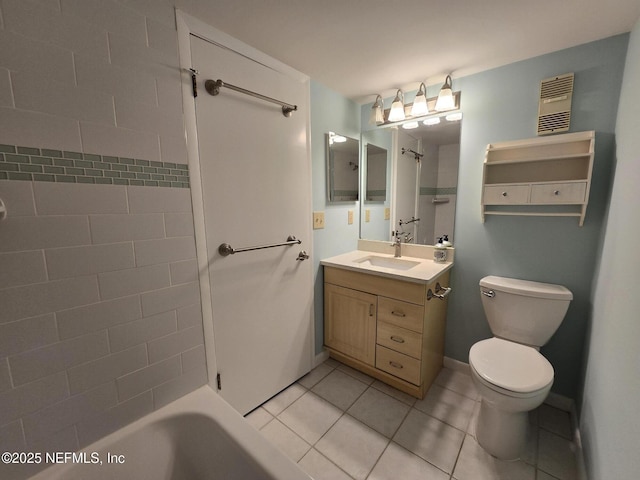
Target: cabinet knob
{"x":556,"y":192}
{"x":397,"y":339}
{"x":397,"y":313}
{"x":396,"y":365}
{"x":504,"y":194}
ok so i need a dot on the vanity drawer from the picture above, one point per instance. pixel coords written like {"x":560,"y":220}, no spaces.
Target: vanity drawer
{"x":506,"y":194}
{"x":397,"y":364}
{"x":562,"y":193}
{"x":402,"y":314}
{"x":399,"y":339}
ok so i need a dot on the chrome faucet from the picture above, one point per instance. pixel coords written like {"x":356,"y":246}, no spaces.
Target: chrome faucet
{"x":397,"y":244}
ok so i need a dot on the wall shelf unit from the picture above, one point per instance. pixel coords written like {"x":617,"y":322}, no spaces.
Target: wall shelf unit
{"x":547,"y":176}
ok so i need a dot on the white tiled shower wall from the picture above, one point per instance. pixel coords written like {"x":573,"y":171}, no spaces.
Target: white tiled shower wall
{"x":99,"y":303}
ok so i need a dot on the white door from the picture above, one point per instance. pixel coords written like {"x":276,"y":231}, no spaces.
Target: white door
{"x":256,"y":184}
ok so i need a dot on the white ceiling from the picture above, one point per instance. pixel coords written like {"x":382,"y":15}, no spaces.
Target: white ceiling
{"x":363,"y":47}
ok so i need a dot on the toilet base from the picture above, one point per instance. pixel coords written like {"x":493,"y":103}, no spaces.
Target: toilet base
{"x":501,"y":433}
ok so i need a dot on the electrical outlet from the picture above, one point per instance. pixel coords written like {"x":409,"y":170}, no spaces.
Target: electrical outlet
{"x":387,"y":213}
{"x":318,"y":220}
{"x":367,"y":215}
{"x":350,"y":217}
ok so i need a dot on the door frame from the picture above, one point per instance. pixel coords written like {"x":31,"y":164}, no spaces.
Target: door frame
{"x":187,"y":26}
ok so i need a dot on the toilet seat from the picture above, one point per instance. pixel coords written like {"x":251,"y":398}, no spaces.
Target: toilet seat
{"x":517,"y":369}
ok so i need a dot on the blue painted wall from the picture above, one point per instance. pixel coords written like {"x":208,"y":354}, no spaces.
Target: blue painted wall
{"x":609,"y":423}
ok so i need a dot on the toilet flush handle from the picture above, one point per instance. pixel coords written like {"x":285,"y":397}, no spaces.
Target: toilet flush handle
{"x":489,"y":293}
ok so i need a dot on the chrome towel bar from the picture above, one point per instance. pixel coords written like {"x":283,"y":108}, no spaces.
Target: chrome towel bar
{"x":225,"y":249}
{"x":214,"y":86}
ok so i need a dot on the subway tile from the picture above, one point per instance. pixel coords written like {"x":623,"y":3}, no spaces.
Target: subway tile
{"x":21,"y":268}
{"x":88,"y":375}
{"x":189,"y":316}
{"x":5,"y":376}
{"x":148,"y":118}
{"x":12,"y":437}
{"x":134,"y":280}
{"x":34,"y":128}
{"x":18,"y":198}
{"x":179,"y":224}
{"x":62,"y":99}
{"x":50,"y":26}
{"x":194,"y":358}
{"x":33,"y":233}
{"x":23,"y":335}
{"x":122,"y":83}
{"x":170,"y":298}
{"x":6,"y":95}
{"x":32,"y":300}
{"x":32,"y":397}
{"x":50,"y":420}
{"x":151,"y":252}
{"x":122,"y":414}
{"x":109,"y":15}
{"x":85,"y":260}
{"x":140,"y":331}
{"x":58,"y":357}
{"x":173,"y":149}
{"x":184,"y":272}
{"x":156,"y":200}
{"x":146,"y":378}
{"x":121,"y":228}
{"x":162,"y":37}
{"x":99,"y":316}
{"x":56,"y":199}
{"x":180,"y":386}
{"x":162,"y":12}
{"x":44,"y":60}
{"x":150,"y":61}
{"x":175,"y":343}
{"x":120,"y":142}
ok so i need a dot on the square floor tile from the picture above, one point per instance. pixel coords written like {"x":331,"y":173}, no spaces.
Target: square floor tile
{"x":258,"y":418}
{"x":363,"y":377}
{"x":429,"y":438}
{"x":556,"y":456}
{"x":279,"y":402}
{"x":315,"y":375}
{"x":353,"y":446}
{"x":379,"y":411}
{"x":446,"y":405}
{"x":288,"y":442}
{"x":555,"y":421}
{"x":310,"y":417}
{"x":320,"y":468}
{"x":475,"y":463}
{"x":458,"y":382}
{"x":340,"y":389}
{"x":394,"y":392}
{"x":398,"y":463}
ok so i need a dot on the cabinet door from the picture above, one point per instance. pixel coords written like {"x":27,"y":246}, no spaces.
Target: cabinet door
{"x":350,"y":322}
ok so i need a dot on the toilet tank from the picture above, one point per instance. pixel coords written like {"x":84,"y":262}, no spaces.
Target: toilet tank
{"x":523,"y":311}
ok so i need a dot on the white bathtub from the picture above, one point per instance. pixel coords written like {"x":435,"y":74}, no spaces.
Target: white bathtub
{"x":197,"y":437}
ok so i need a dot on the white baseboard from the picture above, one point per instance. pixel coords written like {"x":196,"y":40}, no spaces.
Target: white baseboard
{"x":457,"y":365}
{"x":320,"y":357}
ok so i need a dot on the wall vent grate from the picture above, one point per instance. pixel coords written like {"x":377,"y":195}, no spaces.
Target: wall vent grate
{"x":554,"y":109}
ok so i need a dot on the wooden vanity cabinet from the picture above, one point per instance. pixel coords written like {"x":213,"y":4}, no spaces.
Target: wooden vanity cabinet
{"x":386,"y":328}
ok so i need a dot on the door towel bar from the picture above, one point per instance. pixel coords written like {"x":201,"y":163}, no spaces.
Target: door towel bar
{"x":225,"y":249}
{"x":213,"y":87}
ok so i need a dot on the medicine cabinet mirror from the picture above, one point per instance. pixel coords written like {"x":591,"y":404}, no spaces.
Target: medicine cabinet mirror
{"x":343,"y":168}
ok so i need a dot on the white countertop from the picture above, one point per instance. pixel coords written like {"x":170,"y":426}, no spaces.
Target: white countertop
{"x":425,"y":270}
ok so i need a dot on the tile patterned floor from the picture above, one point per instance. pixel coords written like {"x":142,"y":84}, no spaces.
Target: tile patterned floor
{"x":339,"y":424}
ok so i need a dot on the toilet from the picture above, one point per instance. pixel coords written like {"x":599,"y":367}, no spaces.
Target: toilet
{"x":510,"y":373}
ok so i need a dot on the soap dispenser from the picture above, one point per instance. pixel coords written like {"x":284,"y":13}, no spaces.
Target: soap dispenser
{"x":439,"y":252}
{"x":446,"y":242}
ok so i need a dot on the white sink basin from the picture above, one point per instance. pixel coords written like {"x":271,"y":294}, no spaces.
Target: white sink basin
{"x":386,"y":262}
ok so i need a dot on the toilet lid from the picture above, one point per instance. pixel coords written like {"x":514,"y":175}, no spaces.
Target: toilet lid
{"x":510,"y":365}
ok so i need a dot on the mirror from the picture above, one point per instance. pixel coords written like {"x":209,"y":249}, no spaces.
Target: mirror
{"x":376,"y":183}
{"x":343,"y":168}
{"x":425,"y":181}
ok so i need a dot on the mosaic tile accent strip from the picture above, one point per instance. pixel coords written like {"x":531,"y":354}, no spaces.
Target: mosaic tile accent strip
{"x":46,"y":165}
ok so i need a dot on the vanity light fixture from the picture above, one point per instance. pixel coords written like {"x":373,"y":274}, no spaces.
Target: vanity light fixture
{"x":419,"y":107}
{"x":445,"y":97}
{"x":396,"y":114}
{"x":431,"y":121}
{"x":454,"y":117}
{"x":377,"y":112}
{"x":335,"y":138}
{"x":410,"y":125}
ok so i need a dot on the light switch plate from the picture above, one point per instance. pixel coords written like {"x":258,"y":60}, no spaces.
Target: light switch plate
{"x":318,"y":220}
{"x":387,"y":213}
{"x":350,"y":217}
{"x":367,"y":215}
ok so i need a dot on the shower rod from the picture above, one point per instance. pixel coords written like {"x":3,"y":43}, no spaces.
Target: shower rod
{"x":214,"y":86}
